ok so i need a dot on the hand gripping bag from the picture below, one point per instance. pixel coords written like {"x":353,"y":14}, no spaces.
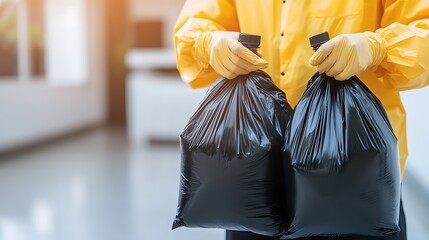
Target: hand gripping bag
{"x":231,"y":169}
{"x":344,"y":154}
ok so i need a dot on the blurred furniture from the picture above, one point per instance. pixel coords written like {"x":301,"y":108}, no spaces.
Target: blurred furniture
{"x":159,"y":104}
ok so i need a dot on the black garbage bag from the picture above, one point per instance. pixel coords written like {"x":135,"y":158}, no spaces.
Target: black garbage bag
{"x":231,"y":174}
{"x":344,"y":155}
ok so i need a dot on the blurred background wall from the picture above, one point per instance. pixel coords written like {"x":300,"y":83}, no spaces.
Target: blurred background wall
{"x":62,"y":62}
{"x":52,"y":70}
{"x":152,"y":18}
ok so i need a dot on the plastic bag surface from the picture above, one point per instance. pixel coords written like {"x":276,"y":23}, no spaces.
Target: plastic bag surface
{"x":231,"y":169}
{"x":344,"y":155}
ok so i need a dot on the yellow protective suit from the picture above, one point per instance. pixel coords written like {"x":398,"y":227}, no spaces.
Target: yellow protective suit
{"x":285,"y":27}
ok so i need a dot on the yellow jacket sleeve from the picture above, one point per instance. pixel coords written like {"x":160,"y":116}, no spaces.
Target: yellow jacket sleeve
{"x":198,"y":17}
{"x":405,"y":30}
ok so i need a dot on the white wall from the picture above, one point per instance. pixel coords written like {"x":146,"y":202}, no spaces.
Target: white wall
{"x":31,"y":111}
{"x":166,"y":10}
{"x":417,"y":106}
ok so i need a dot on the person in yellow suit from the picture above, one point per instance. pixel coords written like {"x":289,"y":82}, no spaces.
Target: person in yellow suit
{"x":384,"y":42}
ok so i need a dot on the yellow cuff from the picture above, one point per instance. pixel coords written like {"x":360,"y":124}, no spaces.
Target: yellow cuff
{"x":378,"y":47}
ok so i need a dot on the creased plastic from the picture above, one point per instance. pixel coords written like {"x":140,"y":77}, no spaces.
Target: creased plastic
{"x":344,"y":155}
{"x":231,"y":158}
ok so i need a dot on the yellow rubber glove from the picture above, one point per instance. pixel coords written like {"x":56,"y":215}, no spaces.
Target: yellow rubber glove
{"x":228,"y":56}
{"x":348,"y":54}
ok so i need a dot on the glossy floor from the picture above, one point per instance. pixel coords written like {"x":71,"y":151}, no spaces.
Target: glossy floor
{"x":97,"y":186}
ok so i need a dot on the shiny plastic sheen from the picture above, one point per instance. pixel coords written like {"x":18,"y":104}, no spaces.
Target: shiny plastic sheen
{"x":231,"y":158}
{"x":344,"y":154}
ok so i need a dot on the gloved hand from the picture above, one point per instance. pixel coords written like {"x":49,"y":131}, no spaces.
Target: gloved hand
{"x":228,"y":56}
{"x":348,"y":54}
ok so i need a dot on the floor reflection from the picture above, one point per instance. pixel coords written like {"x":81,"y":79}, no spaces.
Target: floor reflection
{"x":98,"y":186}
